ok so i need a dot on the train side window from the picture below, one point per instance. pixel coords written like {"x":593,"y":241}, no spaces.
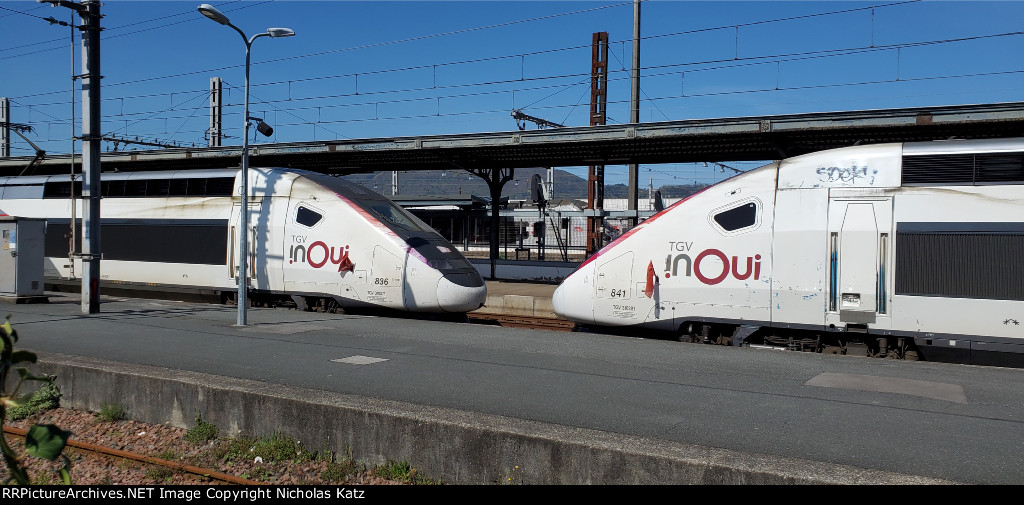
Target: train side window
{"x":307,"y":217}
{"x":737,"y":218}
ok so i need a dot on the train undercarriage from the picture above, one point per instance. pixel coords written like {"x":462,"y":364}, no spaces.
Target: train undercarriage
{"x":855,"y":341}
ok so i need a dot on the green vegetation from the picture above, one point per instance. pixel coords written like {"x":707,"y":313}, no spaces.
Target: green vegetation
{"x":202,"y":432}
{"x":338,"y":471}
{"x":111,"y":412}
{"x":401,"y":471}
{"x":261,"y":474}
{"x":395,"y":470}
{"x":46,"y":398}
{"x":168,"y":455}
{"x":159,"y":473}
{"x":237,"y":448}
{"x":41,"y":441}
{"x":278,"y":447}
{"x":275,"y":448}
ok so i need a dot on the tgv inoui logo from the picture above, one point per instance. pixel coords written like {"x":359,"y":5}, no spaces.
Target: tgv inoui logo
{"x":703,"y":267}
{"x":319,"y":254}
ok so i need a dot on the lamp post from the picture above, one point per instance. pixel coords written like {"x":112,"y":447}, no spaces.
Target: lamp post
{"x":243,"y":245}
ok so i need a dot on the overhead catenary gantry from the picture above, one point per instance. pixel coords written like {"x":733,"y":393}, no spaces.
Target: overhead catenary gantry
{"x":697,"y":140}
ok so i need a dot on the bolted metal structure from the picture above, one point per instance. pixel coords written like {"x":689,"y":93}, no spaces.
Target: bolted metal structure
{"x":89,"y":13}
{"x":91,"y":138}
{"x":216,"y":131}
{"x":5,"y":126}
{"x":598,"y":114}
{"x":634,"y":108}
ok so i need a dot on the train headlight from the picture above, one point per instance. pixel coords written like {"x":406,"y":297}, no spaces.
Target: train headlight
{"x":442,"y":265}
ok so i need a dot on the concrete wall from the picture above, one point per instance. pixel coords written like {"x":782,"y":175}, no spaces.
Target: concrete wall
{"x":455,"y":446}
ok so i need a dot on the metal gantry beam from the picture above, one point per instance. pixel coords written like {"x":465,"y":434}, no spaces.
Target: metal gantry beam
{"x":728,"y":139}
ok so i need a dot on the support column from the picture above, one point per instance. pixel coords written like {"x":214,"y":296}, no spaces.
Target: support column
{"x":598,"y":104}
{"x":91,"y":134}
{"x":634,"y":112}
{"x":496,"y":179}
{"x":216,"y":112}
{"x":5,"y":127}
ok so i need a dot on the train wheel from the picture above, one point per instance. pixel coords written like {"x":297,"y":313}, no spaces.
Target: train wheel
{"x":328,"y":305}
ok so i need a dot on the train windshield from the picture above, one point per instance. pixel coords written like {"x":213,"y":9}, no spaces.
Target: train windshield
{"x":377,"y":205}
{"x":394,"y":215}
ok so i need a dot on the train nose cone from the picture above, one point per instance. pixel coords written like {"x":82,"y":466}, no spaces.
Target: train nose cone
{"x":569,"y":303}
{"x":452,"y":297}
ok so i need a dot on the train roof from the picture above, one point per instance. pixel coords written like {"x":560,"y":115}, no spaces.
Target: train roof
{"x":964,"y":146}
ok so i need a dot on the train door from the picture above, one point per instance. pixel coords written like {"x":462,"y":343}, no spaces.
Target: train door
{"x":613,"y":291}
{"x":386,"y":278}
{"x":860,"y":262}
{"x":256,"y":274}
{"x":311,"y":248}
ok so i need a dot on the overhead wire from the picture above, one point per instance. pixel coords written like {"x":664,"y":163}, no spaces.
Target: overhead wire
{"x":733,"y":63}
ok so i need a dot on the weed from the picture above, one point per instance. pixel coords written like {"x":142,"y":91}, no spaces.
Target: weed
{"x":402,"y":472}
{"x":168,"y":455}
{"x":46,"y":398}
{"x":159,"y":473}
{"x":278,"y":447}
{"x":203,"y":431}
{"x":261,"y":474}
{"x":237,"y":448}
{"x":395,"y":470}
{"x":111,"y":412}
{"x":338,"y":471}
{"x":514,"y":477}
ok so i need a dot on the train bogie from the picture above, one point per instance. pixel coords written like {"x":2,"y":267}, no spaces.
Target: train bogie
{"x":896,"y":250}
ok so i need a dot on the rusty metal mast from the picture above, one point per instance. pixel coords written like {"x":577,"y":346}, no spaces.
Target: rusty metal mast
{"x":598,"y":104}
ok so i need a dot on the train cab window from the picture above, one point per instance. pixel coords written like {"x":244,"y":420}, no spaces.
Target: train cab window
{"x":394,"y":215}
{"x":737,"y":218}
{"x":307,"y":217}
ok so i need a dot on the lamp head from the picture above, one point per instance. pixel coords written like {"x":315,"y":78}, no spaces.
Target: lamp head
{"x":280,"y":32}
{"x":214,"y":14}
{"x":264,"y":128}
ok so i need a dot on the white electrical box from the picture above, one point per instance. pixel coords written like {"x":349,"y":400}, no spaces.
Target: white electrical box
{"x":21,"y":256}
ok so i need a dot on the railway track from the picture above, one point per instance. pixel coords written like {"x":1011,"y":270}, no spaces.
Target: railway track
{"x":88,"y":449}
{"x":518,"y":321}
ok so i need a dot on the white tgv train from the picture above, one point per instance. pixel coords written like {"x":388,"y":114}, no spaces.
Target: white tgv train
{"x":314,"y":239}
{"x":901,"y":250}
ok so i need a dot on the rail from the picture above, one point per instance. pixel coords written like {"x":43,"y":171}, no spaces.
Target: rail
{"x":116,"y":453}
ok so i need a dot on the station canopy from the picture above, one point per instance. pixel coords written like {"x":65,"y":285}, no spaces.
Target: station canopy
{"x":728,"y":139}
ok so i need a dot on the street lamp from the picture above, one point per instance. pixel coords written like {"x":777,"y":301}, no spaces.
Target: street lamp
{"x":243,"y":242}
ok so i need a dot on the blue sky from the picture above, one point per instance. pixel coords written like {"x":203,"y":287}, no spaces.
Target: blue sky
{"x":389,"y":68}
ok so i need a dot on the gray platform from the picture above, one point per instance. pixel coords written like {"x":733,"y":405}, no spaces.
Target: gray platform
{"x":519,"y":298}
{"x":473,"y":404}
